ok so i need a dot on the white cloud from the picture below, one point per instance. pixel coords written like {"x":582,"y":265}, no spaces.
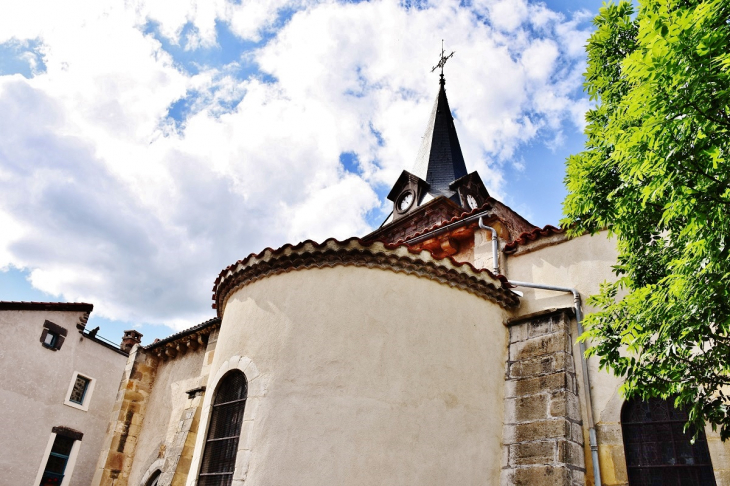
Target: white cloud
{"x":109,"y":200}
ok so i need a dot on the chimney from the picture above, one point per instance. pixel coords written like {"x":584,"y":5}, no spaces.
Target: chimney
{"x":129,"y":339}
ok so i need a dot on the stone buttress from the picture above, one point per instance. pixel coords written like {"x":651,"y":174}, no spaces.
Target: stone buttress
{"x":543,"y":436}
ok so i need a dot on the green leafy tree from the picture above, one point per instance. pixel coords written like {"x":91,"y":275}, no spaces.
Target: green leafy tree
{"x":655,"y":172}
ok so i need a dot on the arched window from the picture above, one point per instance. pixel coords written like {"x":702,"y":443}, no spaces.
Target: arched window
{"x":154,"y":479}
{"x":221,"y":444}
{"x":658,"y":452}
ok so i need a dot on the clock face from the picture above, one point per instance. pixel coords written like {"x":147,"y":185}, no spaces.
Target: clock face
{"x":405,"y":201}
{"x":471,"y":201}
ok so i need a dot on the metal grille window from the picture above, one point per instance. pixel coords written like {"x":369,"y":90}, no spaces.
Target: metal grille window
{"x":79,"y":389}
{"x":221,"y":444}
{"x":658,"y":451}
{"x":57,"y":460}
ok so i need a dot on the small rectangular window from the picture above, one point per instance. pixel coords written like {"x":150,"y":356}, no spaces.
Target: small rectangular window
{"x":50,"y":340}
{"x":79,"y":389}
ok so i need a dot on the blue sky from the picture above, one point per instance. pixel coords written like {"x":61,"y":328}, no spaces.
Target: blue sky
{"x":143,"y":150}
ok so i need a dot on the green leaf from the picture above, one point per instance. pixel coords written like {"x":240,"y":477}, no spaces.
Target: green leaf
{"x":655,"y":174}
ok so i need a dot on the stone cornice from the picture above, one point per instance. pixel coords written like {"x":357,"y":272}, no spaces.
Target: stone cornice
{"x":353,"y":252}
{"x":180,"y":343}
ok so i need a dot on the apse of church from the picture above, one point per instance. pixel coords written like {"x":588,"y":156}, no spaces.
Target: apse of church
{"x":438,"y":349}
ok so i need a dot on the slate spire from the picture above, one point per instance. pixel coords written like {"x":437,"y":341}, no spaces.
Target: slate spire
{"x":439,"y":160}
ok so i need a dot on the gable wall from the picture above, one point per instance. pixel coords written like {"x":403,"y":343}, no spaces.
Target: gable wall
{"x":33,"y":389}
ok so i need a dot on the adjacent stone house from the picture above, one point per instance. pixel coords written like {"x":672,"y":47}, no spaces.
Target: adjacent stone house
{"x":439,"y":349}
{"x":59,"y":384}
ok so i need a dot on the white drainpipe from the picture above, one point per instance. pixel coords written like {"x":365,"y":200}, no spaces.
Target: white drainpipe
{"x":495,"y":246}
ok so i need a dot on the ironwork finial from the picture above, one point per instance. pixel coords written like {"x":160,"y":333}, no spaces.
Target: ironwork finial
{"x":442,"y":60}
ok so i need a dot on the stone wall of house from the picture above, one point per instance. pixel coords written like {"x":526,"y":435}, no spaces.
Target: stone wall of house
{"x":543,"y":436}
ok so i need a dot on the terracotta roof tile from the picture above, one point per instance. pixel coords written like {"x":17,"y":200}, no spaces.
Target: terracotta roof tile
{"x":455,"y":219}
{"x":230,"y":270}
{"x":530,"y":236}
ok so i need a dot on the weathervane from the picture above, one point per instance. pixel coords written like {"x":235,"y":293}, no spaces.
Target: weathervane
{"x":443,"y":59}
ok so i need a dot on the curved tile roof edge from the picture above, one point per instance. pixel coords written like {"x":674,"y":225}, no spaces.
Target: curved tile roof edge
{"x":305,"y":255}
{"x":531,"y":236}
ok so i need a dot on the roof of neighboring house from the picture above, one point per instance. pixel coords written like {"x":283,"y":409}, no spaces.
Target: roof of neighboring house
{"x":49,"y":306}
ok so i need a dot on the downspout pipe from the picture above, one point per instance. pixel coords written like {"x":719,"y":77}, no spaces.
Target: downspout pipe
{"x":495,"y":246}
{"x":584,"y":365}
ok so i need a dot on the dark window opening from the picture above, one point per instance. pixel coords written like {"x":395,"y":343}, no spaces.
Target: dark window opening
{"x":78,"y":392}
{"x":50,"y":340}
{"x":154,"y":479}
{"x":57,"y":461}
{"x":658,"y":451}
{"x":52,"y":336}
{"x":226,"y":418}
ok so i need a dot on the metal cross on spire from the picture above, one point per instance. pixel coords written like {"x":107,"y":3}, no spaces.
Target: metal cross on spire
{"x":443,"y":60}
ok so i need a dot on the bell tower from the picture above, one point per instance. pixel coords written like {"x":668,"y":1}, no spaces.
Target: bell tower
{"x":438,"y":187}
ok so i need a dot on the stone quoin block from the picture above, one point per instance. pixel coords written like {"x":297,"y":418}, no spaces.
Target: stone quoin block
{"x":542,"y":452}
{"x":534,"y":407}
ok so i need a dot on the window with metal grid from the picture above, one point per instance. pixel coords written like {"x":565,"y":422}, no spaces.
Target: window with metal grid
{"x":658,"y":451}
{"x":221,"y":444}
{"x":57,"y":460}
{"x":78,"y":392}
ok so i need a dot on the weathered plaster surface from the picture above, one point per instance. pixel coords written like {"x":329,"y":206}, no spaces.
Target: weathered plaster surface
{"x":34,"y":386}
{"x":364,"y":376}
{"x":164,"y":409}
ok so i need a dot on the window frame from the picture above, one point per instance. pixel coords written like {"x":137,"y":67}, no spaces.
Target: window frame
{"x":86,"y":381}
{"x":86,"y":399}
{"x":154,"y":479}
{"x":54,"y":340}
{"x":76,"y":437}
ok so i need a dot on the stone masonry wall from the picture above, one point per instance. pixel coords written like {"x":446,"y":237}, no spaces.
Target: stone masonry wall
{"x":543,"y":436}
{"x":120,"y":442}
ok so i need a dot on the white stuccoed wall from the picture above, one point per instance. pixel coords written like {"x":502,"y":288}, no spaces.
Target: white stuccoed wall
{"x":33,"y":388}
{"x":363,"y":376}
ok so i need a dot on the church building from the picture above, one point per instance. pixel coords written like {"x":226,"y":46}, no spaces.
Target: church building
{"x":440,"y":349}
